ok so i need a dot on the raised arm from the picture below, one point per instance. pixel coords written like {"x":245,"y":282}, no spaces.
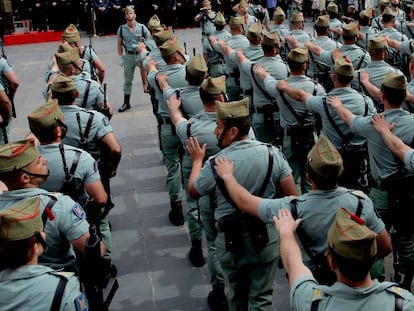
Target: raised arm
{"x":296,"y":94}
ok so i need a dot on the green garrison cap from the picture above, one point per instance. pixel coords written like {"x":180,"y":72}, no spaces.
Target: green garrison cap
{"x":21,"y":220}
{"x":395,"y":81}
{"x":220,"y":20}
{"x":279,"y":13}
{"x":299,"y":55}
{"x":271,"y":39}
{"x":255,"y":30}
{"x":69,"y":57}
{"x":297,"y":17}
{"x":324,"y":159}
{"x":71,"y":34}
{"x":368,"y":13}
{"x":45,"y":116}
{"x":230,"y":110}
{"x":236,"y":21}
{"x":161,"y":36}
{"x":243,"y":3}
{"x":18,"y":154}
{"x":214,"y":86}
{"x":129,"y":9}
{"x":63,"y":84}
{"x":154,"y":22}
{"x":378,"y":43}
{"x":384,"y":2}
{"x":322,"y":21}
{"x":351,"y":29}
{"x":332,"y":7}
{"x":343,"y":66}
{"x":170,"y":47}
{"x":349,"y":237}
{"x":389,"y":11}
{"x":197,"y":66}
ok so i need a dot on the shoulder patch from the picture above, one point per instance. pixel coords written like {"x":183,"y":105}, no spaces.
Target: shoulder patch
{"x":65,"y":274}
{"x":358,"y":193}
{"x":398,"y":291}
{"x":106,"y":121}
{"x":316,"y":294}
{"x":78,"y":210}
{"x":81,"y":303}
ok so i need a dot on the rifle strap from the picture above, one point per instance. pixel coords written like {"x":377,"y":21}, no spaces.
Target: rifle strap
{"x":57,"y":299}
{"x":361,"y":60}
{"x":86,"y":94}
{"x":48,"y":209}
{"x":270,"y":98}
{"x":84,"y":136}
{"x":334,"y":125}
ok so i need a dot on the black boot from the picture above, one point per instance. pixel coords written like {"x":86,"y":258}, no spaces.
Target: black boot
{"x":176,"y":213}
{"x":196,"y":254}
{"x":217,"y":298}
{"x":126,"y":104}
{"x":403,"y":280}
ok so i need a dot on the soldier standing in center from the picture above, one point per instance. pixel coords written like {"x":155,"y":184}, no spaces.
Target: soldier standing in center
{"x":129,"y":36}
{"x":246,"y":248}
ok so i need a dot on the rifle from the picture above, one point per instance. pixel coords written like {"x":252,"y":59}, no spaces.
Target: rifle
{"x":91,"y":63}
{"x":8,"y":88}
{"x":100,"y":286}
{"x":105,"y":109}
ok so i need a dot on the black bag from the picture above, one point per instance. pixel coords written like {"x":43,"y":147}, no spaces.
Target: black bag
{"x":268,"y":116}
{"x":231,"y":226}
{"x":301,"y":138}
{"x":400,"y":190}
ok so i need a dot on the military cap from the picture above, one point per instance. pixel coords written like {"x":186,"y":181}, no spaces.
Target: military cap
{"x":230,"y":110}
{"x":322,"y":21}
{"x":299,"y":55}
{"x":389,"y":11}
{"x":170,"y":47}
{"x":271,"y":39}
{"x":332,"y":7}
{"x":62,"y":84}
{"x":64,"y":47}
{"x":161,"y":36}
{"x":243,"y":3}
{"x":69,"y":57}
{"x":197,"y":66}
{"x":154,"y":23}
{"x":349,"y":237}
{"x":236,"y":21}
{"x":205,"y":3}
{"x":279,"y":12}
{"x":351,"y":29}
{"x":255,"y":30}
{"x":368,"y":13}
{"x":45,"y":116}
{"x":344,"y":67}
{"x":129,"y":9}
{"x":297,"y":17}
{"x":378,"y":43}
{"x":384,"y":2}
{"x":214,"y":86}
{"x":395,"y":81}
{"x":21,"y":220}
{"x":16,"y":155}
{"x":71,"y":34}
{"x":220,"y":20}
{"x":324,"y":159}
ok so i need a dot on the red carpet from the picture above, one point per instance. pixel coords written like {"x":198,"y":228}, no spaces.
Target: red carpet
{"x":32,"y":37}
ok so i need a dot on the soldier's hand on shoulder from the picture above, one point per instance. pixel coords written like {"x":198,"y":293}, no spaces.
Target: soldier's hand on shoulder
{"x":173,"y":102}
{"x":224,"y":167}
{"x":196,"y":151}
{"x":282,"y":85}
{"x":260,"y":71}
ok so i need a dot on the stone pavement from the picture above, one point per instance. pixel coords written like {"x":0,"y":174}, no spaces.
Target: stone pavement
{"x":151,"y":255}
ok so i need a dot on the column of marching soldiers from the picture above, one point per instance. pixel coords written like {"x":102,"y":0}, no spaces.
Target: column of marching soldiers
{"x":328,"y":114}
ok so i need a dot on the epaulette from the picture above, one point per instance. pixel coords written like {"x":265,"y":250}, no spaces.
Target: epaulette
{"x":64,"y":274}
{"x":358,"y":193}
{"x":397,"y":291}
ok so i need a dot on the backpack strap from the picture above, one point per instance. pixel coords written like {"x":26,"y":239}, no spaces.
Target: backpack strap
{"x":57,"y":298}
{"x":86,"y":95}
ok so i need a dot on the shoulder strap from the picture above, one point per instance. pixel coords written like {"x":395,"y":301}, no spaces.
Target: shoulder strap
{"x":65,"y":166}
{"x":334,"y":125}
{"x":189,"y":128}
{"x":269,"y":171}
{"x":366,"y":105}
{"x":220,"y":183}
{"x":57,"y":299}
{"x":292,"y":111}
{"x":84,"y":136}
{"x":361,"y":60}
{"x":47,"y":212}
{"x":86,"y":95}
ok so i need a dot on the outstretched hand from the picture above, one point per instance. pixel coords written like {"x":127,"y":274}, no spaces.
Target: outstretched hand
{"x":196,"y":151}
{"x":285,"y":223}
{"x":380,"y":124}
{"x":224,"y":167}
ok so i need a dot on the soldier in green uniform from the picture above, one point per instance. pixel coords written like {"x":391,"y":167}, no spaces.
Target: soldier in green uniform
{"x":22,"y":242}
{"x":247,"y":249}
{"x":129,"y":36}
{"x":334,"y":22}
{"x":377,"y":20}
{"x":66,"y":162}
{"x":297,"y":122}
{"x":317,"y":208}
{"x":206,"y":18}
{"x":237,"y":41}
{"x":352,"y":249}
{"x":278,"y":18}
{"x":297,"y":25}
{"x":173,"y":55}
{"x":390,"y":202}
{"x":23,"y":170}
{"x":366,"y":32}
{"x":96,"y":67}
{"x":202,"y":126}
{"x":214,"y":59}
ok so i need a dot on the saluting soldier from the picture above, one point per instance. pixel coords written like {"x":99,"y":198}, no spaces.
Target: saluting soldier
{"x":22,"y":242}
{"x":202,"y":126}
{"x":23,"y":170}
{"x":173,"y":54}
{"x":242,"y":10}
{"x":206,"y":19}
{"x":278,"y":18}
{"x":297,"y":25}
{"x":334,"y":22}
{"x":129,"y":36}
{"x":247,"y":249}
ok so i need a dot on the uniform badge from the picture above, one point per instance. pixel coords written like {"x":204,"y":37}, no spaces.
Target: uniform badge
{"x":81,"y":303}
{"x":78,"y":211}
{"x":106,"y":121}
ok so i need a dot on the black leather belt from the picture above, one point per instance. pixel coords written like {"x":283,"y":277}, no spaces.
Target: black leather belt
{"x":132,"y":52}
{"x":164,"y":120}
{"x":248,"y":92}
{"x":205,"y":34}
{"x":260,"y":109}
